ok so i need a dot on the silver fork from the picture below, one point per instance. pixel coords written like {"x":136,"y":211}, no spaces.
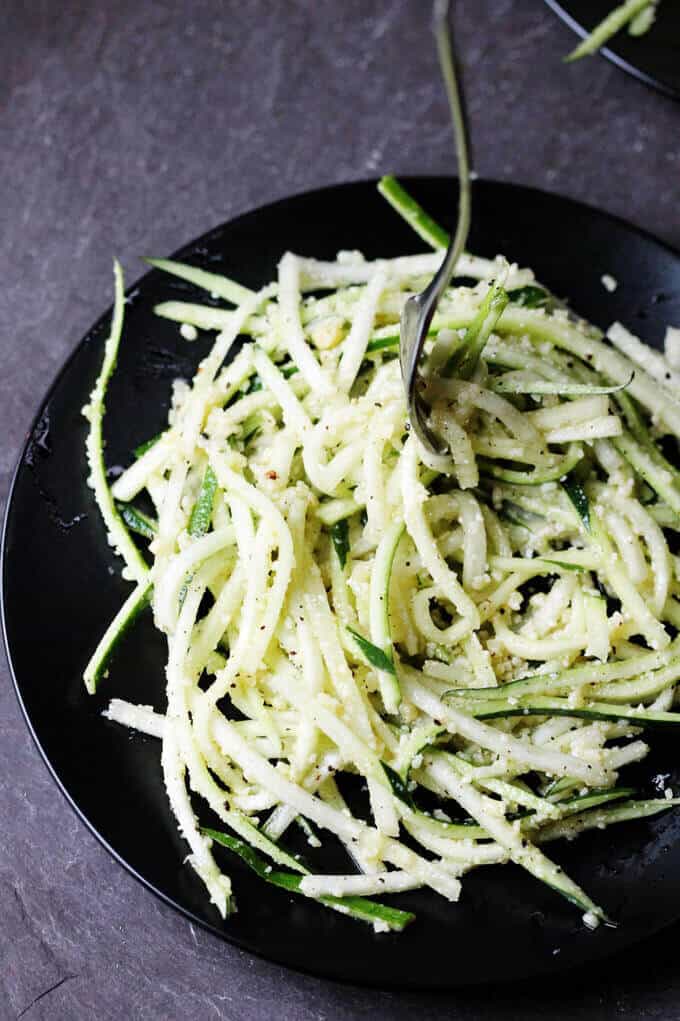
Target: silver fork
{"x":420,"y":308}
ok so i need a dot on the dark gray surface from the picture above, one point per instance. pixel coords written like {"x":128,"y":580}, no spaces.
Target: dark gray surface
{"x":129,"y":128}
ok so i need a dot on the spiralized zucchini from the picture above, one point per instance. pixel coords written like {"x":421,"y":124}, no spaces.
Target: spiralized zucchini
{"x":488,"y":631}
{"x":637,"y":15}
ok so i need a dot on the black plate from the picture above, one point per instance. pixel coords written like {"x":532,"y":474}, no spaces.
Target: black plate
{"x":654,"y":57}
{"x":61,"y":587}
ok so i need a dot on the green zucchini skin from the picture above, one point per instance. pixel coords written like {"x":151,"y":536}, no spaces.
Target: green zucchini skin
{"x":362,"y":908}
{"x":201,"y":515}
{"x":340,"y":538}
{"x":411,"y":211}
{"x":375,"y":656}
{"x":124,"y":620}
{"x":137,"y":521}
{"x":537,"y":476}
{"x":593,"y":711}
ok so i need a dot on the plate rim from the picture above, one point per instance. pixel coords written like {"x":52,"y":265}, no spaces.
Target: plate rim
{"x":398,"y":983}
{"x":612,"y":56}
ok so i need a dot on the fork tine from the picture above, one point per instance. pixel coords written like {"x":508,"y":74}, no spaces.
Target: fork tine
{"x":419,"y":309}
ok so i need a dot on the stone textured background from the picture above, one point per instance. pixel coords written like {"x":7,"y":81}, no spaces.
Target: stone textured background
{"x":132,"y":127}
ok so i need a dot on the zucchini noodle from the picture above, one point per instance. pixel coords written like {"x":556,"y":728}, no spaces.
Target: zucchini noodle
{"x":349,"y":617}
{"x":635,"y":15}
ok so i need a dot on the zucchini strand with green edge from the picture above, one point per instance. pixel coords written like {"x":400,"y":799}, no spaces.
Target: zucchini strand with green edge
{"x":362,"y":908}
{"x":220,"y":285}
{"x":137,"y":521}
{"x":201,"y":515}
{"x":655,"y":475}
{"x":119,"y":626}
{"x":642,"y":435}
{"x":464,"y":360}
{"x":625,"y":811}
{"x":529,"y":296}
{"x":117,"y":534}
{"x":617,"y":19}
{"x":647,"y":664}
{"x":414,"y":214}
{"x":379,"y":613}
{"x":383,"y":343}
{"x":537,"y":476}
{"x":203,"y":317}
{"x":147,"y":445}
{"x":375,"y":656}
{"x":340,"y":537}
{"x":579,"y":499}
{"x":589,"y":711}
{"x":547,"y":387}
